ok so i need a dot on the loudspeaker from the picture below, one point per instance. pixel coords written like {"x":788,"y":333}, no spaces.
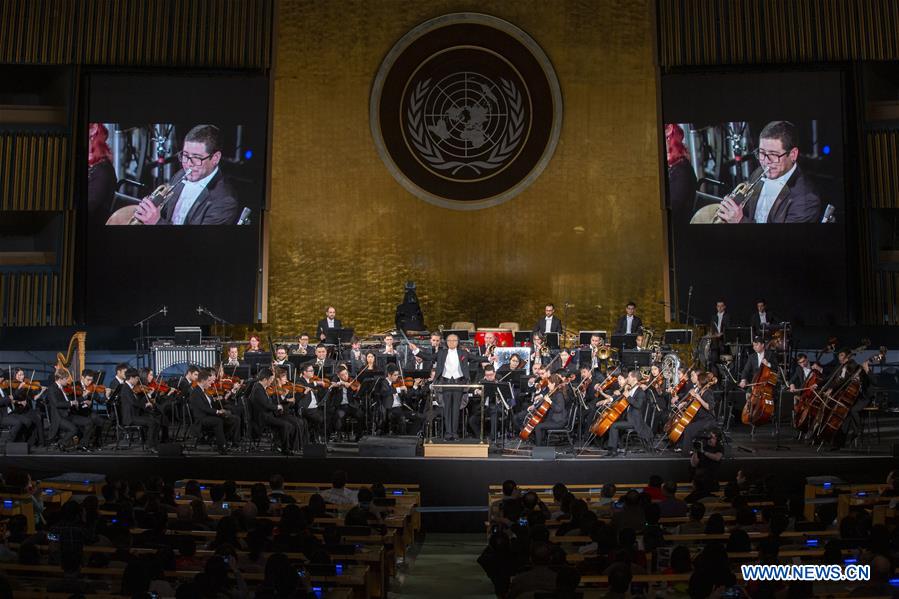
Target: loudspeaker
{"x":315,"y":450}
{"x":390,"y":447}
{"x":16,"y":448}
{"x":170,"y":450}
{"x":543,"y":453}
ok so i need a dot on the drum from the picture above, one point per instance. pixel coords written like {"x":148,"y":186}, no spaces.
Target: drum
{"x":504,"y":337}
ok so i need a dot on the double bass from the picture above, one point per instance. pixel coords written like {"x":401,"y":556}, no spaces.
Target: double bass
{"x":759,"y":407}
{"x":684,"y":414}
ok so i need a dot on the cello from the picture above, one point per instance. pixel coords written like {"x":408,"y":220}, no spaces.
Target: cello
{"x":838,"y":405}
{"x":683,"y":416}
{"x":541,"y":410}
{"x":611,"y":414}
{"x":809,"y":402}
{"x":759,"y":407}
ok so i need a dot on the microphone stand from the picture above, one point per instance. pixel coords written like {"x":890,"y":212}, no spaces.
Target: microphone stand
{"x":778,"y":413}
{"x":216,"y":318}
{"x":140,"y":342}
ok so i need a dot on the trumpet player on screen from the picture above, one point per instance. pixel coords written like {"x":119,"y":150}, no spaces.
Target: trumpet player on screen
{"x":785,"y":194}
{"x":199,"y":194}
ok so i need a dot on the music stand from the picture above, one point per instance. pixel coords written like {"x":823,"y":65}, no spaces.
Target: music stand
{"x":583,"y":337}
{"x":635,"y":358}
{"x":298,"y":361}
{"x":462,"y":334}
{"x":552,"y":340}
{"x":256,"y":360}
{"x":677,"y":337}
{"x":623,"y":342}
{"x":523,"y":337}
{"x":384,"y":360}
{"x":584,"y":358}
{"x":738,"y":335}
{"x":242,"y":371}
{"x":338,"y":336}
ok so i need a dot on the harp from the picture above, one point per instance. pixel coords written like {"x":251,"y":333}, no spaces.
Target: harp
{"x":74,"y":358}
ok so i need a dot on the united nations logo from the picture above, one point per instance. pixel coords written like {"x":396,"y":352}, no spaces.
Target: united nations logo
{"x":466,"y":111}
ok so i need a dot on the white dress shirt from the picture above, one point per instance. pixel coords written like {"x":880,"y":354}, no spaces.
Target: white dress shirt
{"x":761,"y":358}
{"x":720,"y":318}
{"x":763,"y":317}
{"x":549,"y":324}
{"x":452,"y":369}
{"x":330,"y":323}
{"x":397,"y":402}
{"x":189,"y":194}
{"x":314,"y":402}
{"x":770,"y":189}
{"x":630,"y":324}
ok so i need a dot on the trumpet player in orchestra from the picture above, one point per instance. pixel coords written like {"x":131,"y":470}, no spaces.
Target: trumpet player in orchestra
{"x":786,"y":195}
{"x":202,"y":195}
{"x":302,"y":349}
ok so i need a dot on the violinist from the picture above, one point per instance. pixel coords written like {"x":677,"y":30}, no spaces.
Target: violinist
{"x":18,"y":415}
{"x":311,"y":404}
{"x":228,"y":389}
{"x":62,"y":417}
{"x":26,"y":397}
{"x":287,"y":428}
{"x":86,"y":396}
{"x":137,"y":409}
{"x":208,"y":415}
{"x":185,"y":383}
{"x":161,"y":397}
{"x":489,"y":401}
{"x":329,"y":322}
{"x":117,"y":380}
{"x":656,"y":391}
{"x":343,"y":400}
{"x":634,"y":418}
{"x":397,"y":402}
{"x":557,"y":416}
{"x":704,"y":420}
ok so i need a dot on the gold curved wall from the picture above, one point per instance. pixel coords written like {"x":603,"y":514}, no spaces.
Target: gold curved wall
{"x":588,"y":232}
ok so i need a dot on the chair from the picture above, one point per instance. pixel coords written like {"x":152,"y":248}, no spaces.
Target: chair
{"x":462,"y":325}
{"x":512,"y":326}
{"x":564,"y":432}
{"x":124,"y":430}
{"x":648,"y":415}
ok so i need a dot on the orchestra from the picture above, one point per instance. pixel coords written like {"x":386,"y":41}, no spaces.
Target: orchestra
{"x":434,"y":385}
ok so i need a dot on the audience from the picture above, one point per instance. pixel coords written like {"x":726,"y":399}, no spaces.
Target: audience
{"x":338,"y":493}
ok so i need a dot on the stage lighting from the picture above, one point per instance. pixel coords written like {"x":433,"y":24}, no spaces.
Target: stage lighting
{"x":825,"y":150}
{"x":248,"y":154}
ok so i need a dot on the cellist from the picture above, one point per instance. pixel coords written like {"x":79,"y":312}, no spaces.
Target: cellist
{"x":704,"y":420}
{"x":557,"y":416}
{"x":799,"y":380}
{"x":634,"y":419}
{"x":754,"y":362}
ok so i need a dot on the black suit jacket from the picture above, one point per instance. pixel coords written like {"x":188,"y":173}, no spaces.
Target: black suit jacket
{"x":752,"y":364}
{"x":305,"y":400}
{"x":199,"y":405}
{"x":464,"y":361}
{"x":621,"y":326}
{"x":216,"y":204}
{"x":756,"y":321}
{"x":261,"y":402}
{"x":130,"y":404}
{"x":635,"y":415}
{"x":323,"y":326}
{"x":713,"y":322}
{"x":555,"y":325}
{"x":797,"y":202}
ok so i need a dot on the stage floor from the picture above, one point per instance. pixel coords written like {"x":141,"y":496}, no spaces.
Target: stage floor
{"x":459,"y":483}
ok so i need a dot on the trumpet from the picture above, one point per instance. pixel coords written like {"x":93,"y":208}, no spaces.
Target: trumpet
{"x":744,"y":190}
{"x":162,"y":194}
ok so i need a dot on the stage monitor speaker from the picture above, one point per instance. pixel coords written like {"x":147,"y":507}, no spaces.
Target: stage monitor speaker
{"x":543,"y":453}
{"x":16,"y":448}
{"x":171,"y":450}
{"x":390,"y":447}
{"x":315,"y":450}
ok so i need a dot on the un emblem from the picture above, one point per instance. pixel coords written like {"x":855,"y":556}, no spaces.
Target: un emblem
{"x":466,"y":111}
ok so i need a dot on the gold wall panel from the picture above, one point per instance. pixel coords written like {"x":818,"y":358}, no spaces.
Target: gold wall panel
{"x":588,"y":232}
{"x":704,"y":32}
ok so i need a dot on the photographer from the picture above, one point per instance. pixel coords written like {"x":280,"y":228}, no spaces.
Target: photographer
{"x":705,"y":458}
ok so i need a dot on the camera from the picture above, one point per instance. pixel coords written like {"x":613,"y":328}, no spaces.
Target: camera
{"x":697,"y":446}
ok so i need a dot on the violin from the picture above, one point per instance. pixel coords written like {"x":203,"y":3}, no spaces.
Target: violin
{"x":228,"y":383}
{"x":326,"y":383}
{"x":27,"y":384}
{"x":353,"y":385}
